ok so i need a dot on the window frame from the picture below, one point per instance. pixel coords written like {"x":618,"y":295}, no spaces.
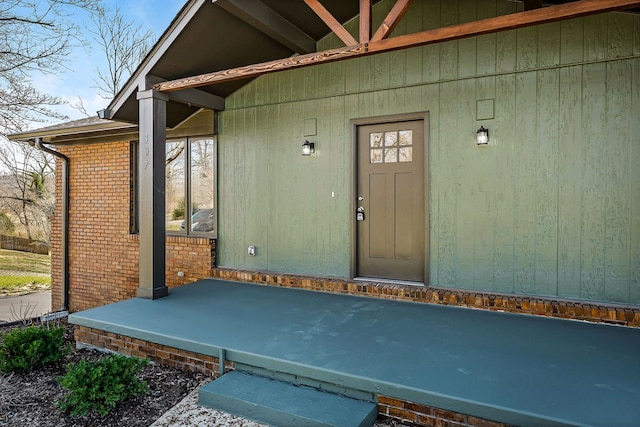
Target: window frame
{"x":134,"y":154}
{"x":188,"y":196}
{"x":134,"y":182}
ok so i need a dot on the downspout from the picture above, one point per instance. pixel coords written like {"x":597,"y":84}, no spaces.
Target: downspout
{"x":65,"y":220}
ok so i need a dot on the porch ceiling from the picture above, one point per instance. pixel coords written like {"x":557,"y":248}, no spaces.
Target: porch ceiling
{"x":211,"y":36}
{"x":222,"y":34}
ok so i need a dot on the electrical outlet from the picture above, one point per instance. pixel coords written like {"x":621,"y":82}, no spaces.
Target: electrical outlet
{"x":180,"y":273}
{"x":251,"y":250}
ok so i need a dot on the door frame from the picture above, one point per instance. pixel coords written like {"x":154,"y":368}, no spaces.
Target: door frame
{"x":354,"y":124}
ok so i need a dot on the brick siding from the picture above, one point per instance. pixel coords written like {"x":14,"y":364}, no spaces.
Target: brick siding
{"x":103,"y":255}
{"x":414,"y":414}
{"x":157,"y":353}
{"x":575,"y":310}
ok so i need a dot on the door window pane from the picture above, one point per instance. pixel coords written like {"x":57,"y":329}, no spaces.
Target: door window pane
{"x":390,"y":139}
{"x":406,"y":137}
{"x":376,"y":155}
{"x":391,"y":155}
{"x":397,"y":146}
{"x":375,"y":139}
{"x":406,"y":154}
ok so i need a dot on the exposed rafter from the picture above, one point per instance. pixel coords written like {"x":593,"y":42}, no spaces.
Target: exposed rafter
{"x":331,"y":22}
{"x":454,"y":32}
{"x":365,"y":21}
{"x":265,"y":19}
{"x":392,"y":19}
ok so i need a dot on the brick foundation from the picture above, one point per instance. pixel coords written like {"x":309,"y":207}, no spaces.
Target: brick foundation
{"x":414,"y":414}
{"x":407,"y":413}
{"x":575,"y":310}
{"x":157,"y":353}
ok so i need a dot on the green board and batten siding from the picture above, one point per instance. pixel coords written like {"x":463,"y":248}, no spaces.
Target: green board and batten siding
{"x":551,"y":207}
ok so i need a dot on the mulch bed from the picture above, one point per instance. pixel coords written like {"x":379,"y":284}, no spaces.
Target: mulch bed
{"x":30,"y":399}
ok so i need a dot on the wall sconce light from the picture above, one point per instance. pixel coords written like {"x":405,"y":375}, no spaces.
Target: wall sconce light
{"x":482,"y":136}
{"x":308,"y":148}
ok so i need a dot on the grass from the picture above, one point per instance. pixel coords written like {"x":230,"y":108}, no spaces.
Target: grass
{"x":12,"y":282}
{"x":23,"y":270}
{"x":27,"y":262}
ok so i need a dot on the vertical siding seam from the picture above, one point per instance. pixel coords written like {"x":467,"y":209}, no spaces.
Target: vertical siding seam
{"x":513,"y":187}
{"x":585,"y":54}
{"x":607,"y":181}
{"x":558,"y":97}
{"x":580,"y":278}
{"x":630,"y":255}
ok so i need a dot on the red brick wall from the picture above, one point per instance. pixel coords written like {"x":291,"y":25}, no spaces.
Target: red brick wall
{"x":576,"y":310}
{"x":158,"y":353}
{"x":55,"y":245}
{"x":103,"y":256}
{"x":191,"y":256}
{"x":413,"y":414}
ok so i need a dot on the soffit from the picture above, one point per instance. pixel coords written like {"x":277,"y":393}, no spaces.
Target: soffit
{"x":214,"y":39}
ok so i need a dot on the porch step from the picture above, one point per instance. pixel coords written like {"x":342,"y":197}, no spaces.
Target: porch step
{"x":283,"y":404}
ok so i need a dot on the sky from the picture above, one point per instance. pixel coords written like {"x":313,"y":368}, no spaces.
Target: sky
{"x":78,"y":80}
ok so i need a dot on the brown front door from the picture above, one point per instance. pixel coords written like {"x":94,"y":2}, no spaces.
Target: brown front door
{"x":390,"y":212}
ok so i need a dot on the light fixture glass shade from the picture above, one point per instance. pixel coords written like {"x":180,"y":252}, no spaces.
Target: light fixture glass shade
{"x":482,"y":136}
{"x":308,"y":148}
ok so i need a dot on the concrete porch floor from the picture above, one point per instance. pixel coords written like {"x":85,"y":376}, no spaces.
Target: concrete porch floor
{"x":516,"y":369}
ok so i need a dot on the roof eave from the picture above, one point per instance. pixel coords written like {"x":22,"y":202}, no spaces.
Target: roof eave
{"x":137,"y":81}
{"x":71,"y":134}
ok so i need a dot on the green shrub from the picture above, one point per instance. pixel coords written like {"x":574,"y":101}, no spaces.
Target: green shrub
{"x":99,"y":385}
{"x":25,"y":349}
{"x":179,"y":211}
{"x":6,"y":225}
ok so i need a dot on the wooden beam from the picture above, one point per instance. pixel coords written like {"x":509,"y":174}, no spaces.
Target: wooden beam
{"x":365,"y":21}
{"x":258,"y":69}
{"x":393,"y":17}
{"x":262,"y":17}
{"x":331,"y":22}
{"x":501,"y":23}
{"x":453,"y":32}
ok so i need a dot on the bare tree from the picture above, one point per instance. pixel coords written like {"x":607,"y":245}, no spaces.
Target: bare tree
{"x":27,"y":187}
{"x":124,"y":45}
{"x":80,"y":107}
{"x":35,"y":36}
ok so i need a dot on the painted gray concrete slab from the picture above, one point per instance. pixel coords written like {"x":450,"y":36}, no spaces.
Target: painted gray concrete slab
{"x":522,"y":370}
{"x":30,"y":305}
